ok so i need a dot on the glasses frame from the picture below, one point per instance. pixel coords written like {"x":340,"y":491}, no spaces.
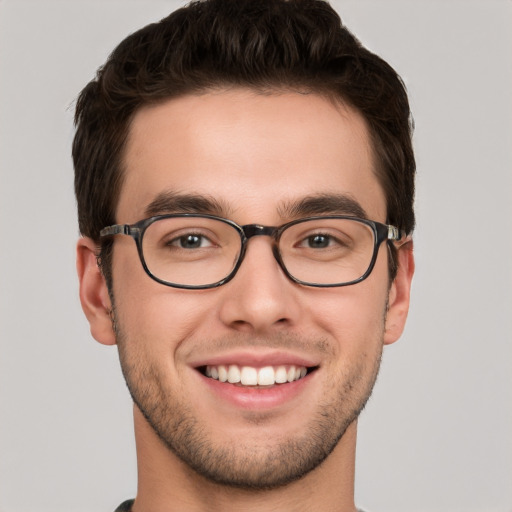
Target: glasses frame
{"x":381,"y":232}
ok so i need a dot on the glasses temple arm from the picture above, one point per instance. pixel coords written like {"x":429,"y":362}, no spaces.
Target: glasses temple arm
{"x":116,"y":229}
{"x":394,"y":233}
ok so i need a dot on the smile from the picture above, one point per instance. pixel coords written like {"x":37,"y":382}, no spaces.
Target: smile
{"x":251,"y":376}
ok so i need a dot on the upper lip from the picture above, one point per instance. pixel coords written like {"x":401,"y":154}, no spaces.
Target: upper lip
{"x":256,"y":359}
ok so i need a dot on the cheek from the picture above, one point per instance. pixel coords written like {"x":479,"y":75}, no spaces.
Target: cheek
{"x":160,"y":315}
{"x":354,"y":316}
{"x":151,"y":312}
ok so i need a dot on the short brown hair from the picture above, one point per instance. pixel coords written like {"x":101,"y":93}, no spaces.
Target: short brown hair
{"x":261,"y":44}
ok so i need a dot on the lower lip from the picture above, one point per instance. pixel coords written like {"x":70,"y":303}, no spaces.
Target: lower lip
{"x":258,"y":398}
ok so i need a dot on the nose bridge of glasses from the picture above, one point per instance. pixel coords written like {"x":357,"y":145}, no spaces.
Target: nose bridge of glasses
{"x":251,"y":230}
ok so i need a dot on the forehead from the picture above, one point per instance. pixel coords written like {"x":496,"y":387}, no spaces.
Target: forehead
{"x":250,"y":152}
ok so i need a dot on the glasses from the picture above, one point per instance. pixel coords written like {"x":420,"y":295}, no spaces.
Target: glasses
{"x":195,"y":251}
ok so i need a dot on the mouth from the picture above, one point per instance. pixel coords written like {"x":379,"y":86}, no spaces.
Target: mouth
{"x":250,"y":376}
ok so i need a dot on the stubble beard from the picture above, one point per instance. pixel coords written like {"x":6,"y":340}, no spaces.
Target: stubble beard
{"x":243,"y":463}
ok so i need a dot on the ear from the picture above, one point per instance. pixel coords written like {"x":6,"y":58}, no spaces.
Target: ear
{"x":94,"y":295}
{"x":399,"y":294}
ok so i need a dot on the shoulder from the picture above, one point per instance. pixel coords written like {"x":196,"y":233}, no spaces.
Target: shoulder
{"x":126,"y":506}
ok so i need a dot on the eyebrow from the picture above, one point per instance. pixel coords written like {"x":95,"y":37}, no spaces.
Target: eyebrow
{"x":318,"y":204}
{"x":323,"y":204}
{"x":175,"y":202}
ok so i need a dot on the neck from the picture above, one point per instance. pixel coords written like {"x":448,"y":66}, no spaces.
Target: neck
{"x":166,"y":484}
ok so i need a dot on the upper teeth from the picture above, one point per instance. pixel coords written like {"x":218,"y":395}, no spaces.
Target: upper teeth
{"x":250,"y":376}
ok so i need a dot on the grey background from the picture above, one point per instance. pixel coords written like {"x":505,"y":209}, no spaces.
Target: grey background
{"x":437,"y":435}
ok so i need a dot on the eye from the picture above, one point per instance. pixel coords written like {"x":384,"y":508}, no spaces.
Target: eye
{"x":190,"y":241}
{"x":318,"y":241}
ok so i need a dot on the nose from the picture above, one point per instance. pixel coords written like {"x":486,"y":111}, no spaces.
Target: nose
{"x":260,"y":296}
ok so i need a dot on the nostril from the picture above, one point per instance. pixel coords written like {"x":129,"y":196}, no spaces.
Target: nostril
{"x":241,"y":325}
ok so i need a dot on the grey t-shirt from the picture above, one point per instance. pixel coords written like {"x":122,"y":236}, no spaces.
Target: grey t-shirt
{"x":126,"y":506}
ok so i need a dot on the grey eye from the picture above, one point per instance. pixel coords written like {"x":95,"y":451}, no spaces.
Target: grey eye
{"x":318,"y":241}
{"x":190,"y":241}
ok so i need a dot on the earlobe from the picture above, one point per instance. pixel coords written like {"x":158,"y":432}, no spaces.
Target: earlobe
{"x":94,"y":295}
{"x":399,"y":294}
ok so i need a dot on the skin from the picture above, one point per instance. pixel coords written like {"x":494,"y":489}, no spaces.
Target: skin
{"x":254,"y":154}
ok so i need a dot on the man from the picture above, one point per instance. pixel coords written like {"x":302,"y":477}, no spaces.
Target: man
{"x":244,"y":177}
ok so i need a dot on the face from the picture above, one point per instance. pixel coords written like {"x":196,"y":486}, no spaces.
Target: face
{"x":255,"y":159}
